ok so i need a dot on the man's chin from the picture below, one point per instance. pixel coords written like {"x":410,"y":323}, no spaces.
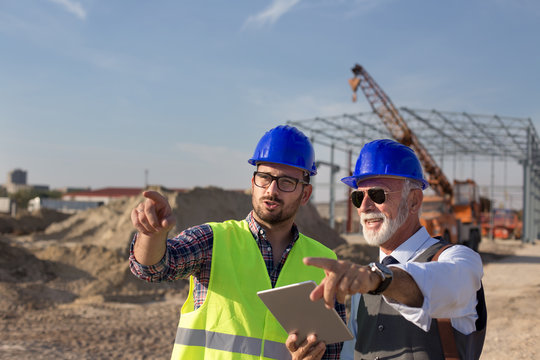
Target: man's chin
{"x":374,"y":240}
{"x":270,"y":217}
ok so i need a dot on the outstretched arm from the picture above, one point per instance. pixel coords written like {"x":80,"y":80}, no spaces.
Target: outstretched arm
{"x":347,"y":278}
{"x":153,"y":219}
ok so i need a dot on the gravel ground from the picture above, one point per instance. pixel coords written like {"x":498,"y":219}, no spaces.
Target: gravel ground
{"x":93,"y":328}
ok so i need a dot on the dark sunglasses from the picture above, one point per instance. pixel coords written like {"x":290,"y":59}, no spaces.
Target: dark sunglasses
{"x":378,"y":196}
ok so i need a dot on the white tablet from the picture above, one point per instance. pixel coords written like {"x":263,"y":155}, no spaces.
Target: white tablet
{"x":294,"y":310}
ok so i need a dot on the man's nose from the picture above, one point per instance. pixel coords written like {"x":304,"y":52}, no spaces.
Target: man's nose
{"x":366,"y":204}
{"x":272,"y":187}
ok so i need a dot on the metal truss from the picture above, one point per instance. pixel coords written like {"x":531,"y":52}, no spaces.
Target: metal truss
{"x":444,"y":134}
{"x":472,"y":134}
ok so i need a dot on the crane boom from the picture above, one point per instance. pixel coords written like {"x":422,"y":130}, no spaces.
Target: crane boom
{"x":390,"y":116}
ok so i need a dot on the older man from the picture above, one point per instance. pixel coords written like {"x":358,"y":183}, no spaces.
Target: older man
{"x":398,"y":304}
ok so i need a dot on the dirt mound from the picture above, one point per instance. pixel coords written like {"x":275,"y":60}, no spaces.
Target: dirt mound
{"x":86,"y":254}
{"x":110,"y":226}
{"x":213,"y":204}
{"x":18,"y":265}
{"x":22,"y":279}
{"x":29,"y":222}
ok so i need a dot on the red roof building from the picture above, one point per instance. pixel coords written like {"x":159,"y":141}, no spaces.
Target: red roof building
{"x":106,"y":194}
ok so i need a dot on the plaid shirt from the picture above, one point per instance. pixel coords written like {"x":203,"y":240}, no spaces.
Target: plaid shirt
{"x":190,"y":253}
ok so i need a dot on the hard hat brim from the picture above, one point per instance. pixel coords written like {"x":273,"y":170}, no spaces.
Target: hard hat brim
{"x":352,"y":181}
{"x":255,"y":162}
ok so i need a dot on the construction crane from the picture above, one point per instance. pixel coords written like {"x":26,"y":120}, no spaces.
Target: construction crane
{"x":389,"y":114}
{"x":457,"y":208}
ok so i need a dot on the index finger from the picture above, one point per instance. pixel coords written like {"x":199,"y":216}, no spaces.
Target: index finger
{"x":323,"y":263}
{"x":154,"y":196}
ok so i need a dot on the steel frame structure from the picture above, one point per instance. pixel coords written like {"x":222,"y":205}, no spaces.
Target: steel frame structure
{"x":443,"y":134}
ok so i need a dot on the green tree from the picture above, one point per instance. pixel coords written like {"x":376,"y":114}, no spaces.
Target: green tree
{"x":22,"y":197}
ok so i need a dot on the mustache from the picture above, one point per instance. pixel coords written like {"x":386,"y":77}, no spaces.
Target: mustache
{"x":272,"y":198}
{"x":369,"y":216}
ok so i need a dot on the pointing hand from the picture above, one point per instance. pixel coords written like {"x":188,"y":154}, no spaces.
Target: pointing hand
{"x":154,"y":215}
{"x":342,"y":278}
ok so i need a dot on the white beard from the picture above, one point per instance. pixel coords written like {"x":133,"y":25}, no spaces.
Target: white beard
{"x":388,"y":227}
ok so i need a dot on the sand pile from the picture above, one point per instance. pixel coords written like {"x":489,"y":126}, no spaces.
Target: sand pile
{"x":110,"y":226}
{"x":29,"y":222}
{"x":22,"y":279}
{"x":214,"y":204}
{"x":86,"y":255}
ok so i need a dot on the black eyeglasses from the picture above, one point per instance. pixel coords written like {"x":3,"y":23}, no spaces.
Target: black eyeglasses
{"x":284,"y":183}
{"x":377,"y":195}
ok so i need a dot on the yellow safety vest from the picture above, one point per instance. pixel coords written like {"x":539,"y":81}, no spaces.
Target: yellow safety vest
{"x":233,"y":323}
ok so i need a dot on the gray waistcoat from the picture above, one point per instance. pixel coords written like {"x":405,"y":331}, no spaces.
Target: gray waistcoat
{"x":384,"y":334}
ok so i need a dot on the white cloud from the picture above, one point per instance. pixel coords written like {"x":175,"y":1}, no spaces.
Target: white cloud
{"x":272,"y":13}
{"x":73,"y":7}
{"x":278,"y":8}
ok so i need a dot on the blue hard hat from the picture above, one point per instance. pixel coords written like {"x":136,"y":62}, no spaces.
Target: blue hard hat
{"x":286,"y":145}
{"x":386,"y":158}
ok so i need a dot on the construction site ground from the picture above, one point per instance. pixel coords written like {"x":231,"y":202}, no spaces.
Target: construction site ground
{"x":67,"y":293}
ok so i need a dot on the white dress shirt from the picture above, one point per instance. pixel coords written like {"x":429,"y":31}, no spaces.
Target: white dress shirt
{"x":456,"y":275}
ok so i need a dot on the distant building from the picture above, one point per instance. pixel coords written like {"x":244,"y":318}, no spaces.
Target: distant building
{"x":102,"y":195}
{"x":17,"y":181}
{"x":65,"y":206}
{"x":39,"y":187}
{"x":105,"y":195}
{"x":17,"y":177}
{"x":68,"y":189}
{"x":6,"y":205}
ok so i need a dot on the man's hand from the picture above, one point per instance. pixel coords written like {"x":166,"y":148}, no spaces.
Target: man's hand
{"x":310,"y":349}
{"x":153,"y":217}
{"x":342,"y":278}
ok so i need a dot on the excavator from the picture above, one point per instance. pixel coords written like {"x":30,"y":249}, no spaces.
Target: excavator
{"x":453,"y":213}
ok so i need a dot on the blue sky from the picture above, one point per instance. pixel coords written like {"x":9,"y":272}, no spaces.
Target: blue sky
{"x":94,"y":92}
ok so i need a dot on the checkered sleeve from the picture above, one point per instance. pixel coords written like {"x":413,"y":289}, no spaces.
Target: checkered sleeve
{"x":185,"y":255}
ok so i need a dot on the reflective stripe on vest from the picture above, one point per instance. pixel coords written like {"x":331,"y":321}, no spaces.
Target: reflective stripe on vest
{"x":232,"y":343}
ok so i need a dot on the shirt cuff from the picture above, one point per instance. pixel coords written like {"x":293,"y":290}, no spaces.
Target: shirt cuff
{"x":147,"y":271}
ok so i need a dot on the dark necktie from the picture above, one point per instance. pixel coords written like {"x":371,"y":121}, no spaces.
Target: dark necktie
{"x":389,"y":260}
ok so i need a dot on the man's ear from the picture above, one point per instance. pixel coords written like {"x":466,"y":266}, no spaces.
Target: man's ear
{"x":306,"y":193}
{"x":416,"y":196}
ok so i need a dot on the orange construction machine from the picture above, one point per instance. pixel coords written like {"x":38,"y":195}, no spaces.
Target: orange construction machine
{"x":506,"y":224}
{"x":454,"y":213}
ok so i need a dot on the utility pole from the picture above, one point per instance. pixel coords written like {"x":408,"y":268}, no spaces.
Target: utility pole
{"x":333,"y":170}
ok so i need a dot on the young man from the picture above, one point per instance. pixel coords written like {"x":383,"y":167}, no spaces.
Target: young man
{"x":394,"y":308}
{"x":228,"y":262}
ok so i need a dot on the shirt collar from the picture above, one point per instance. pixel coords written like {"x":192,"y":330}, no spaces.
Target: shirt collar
{"x":259,"y":233}
{"x":413,"y":246}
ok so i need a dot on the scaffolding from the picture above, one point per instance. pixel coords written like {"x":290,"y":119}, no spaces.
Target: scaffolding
{"x":450,"y":137}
